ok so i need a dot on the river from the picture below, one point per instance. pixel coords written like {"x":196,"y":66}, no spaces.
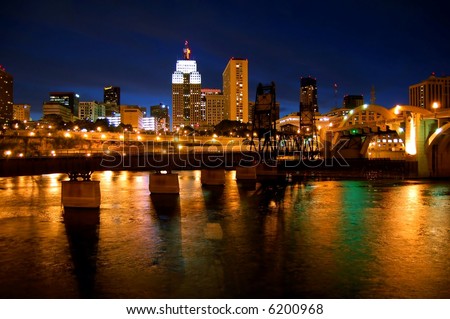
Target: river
{"x":303,"y":239}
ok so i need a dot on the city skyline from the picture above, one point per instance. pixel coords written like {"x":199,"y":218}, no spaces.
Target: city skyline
{"x":82,"y":48}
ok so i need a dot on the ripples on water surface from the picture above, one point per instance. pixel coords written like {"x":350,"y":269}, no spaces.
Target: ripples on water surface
{"x":315,"y":239}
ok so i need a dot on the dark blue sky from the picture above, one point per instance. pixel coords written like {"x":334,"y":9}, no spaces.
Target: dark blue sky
{"x":83,"y":46}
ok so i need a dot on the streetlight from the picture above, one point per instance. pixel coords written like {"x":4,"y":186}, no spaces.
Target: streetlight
{"x":435,"y":106}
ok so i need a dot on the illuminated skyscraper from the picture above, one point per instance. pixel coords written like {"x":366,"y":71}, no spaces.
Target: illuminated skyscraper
{"x":186,"y":92}
{"x":6,"y":95}
{"x":426,"y":93}
{"x":235,"y":90}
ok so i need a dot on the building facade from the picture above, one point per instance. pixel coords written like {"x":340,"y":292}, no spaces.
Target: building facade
{"x":432,"y":91}
{"x":69,"y":100}
{"x":308,"y":104}
{"x":213,"y":103}
{"x":186,"y":92}
{"x":57,"y":109}
{"x":132,"y":114}
{"x":235,"y":90}
{"x":111,"y":100}
{"x":21,"y":112}
{"x":6,"y":95}
{"x":91,"y":111}
{"x":308,"y":94}
{"x":160,"y":113}
{"x":352,"y":101}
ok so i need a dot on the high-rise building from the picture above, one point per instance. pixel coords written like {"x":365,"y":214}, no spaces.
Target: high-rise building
{"x":111,"y":99}
{"x":235,"y":90}
{"x":308,"y":105}
{"x":186,"y":95}
{"x":426,"y":93}
{"x":212,"y":103}
{"x":6,"y":95}
{"x":21,"y":112}
{"x":69,"y":100}
{"x":308,"y":94}
{"x":352,"y":101}
{"x":111,"y":94}
{"x":91,"y":111}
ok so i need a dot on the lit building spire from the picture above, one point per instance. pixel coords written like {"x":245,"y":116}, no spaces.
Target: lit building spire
{"x":186,"y":51}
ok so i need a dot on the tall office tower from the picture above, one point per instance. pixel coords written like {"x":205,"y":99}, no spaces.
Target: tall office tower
{"x":69,"y":100}
{"x":21,"y":112}
{"x":6,"y":95}
{"x":352,"y":101}
{"x":111,"y":100}
{"x":186,"y":92}
{"x":426,"y":93}
{"x":212,"y":104}
{"x":235,"y":90}
{"x":308,"y":105}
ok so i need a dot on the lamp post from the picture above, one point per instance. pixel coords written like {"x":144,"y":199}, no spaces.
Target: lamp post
{"x":435,"y":106}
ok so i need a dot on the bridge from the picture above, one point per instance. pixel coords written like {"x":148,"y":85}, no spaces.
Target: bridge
{"x":404,"y":132}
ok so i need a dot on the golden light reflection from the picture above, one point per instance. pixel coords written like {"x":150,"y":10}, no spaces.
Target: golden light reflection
{"x":410,"y":139}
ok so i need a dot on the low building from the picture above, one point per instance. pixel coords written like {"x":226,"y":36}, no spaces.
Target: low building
{"x":132,"y":115}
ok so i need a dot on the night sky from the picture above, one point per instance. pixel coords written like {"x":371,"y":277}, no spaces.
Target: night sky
{"x":82,"y":46}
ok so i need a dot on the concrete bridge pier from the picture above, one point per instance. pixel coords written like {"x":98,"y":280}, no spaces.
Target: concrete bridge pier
{"x":81,"y":194}
{"x":213,"y":176}
{"x":164,"y":183}
{"x":417,"y":132}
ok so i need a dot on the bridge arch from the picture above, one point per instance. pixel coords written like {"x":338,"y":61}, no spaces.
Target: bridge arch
{"x":410,"y":108}
{"x":387,"y":114}
{"x":437,"y":135}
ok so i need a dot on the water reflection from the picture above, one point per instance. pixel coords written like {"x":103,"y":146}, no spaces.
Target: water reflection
{"x":82,"y":233}
{"x":301,"y":239}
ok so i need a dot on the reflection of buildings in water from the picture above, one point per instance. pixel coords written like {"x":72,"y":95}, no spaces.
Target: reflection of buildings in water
{"x":82,"y":227}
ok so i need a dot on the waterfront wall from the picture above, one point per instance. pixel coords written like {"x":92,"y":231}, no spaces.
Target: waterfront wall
{"x":331,"y":167}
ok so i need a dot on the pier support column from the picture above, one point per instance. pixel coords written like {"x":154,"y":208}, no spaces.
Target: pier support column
{"x":213,"y":176}
{"x":416,"y":135}
{"x":164,"y":183}
{"x":246,"y":173}
{"x":83,"y":194}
